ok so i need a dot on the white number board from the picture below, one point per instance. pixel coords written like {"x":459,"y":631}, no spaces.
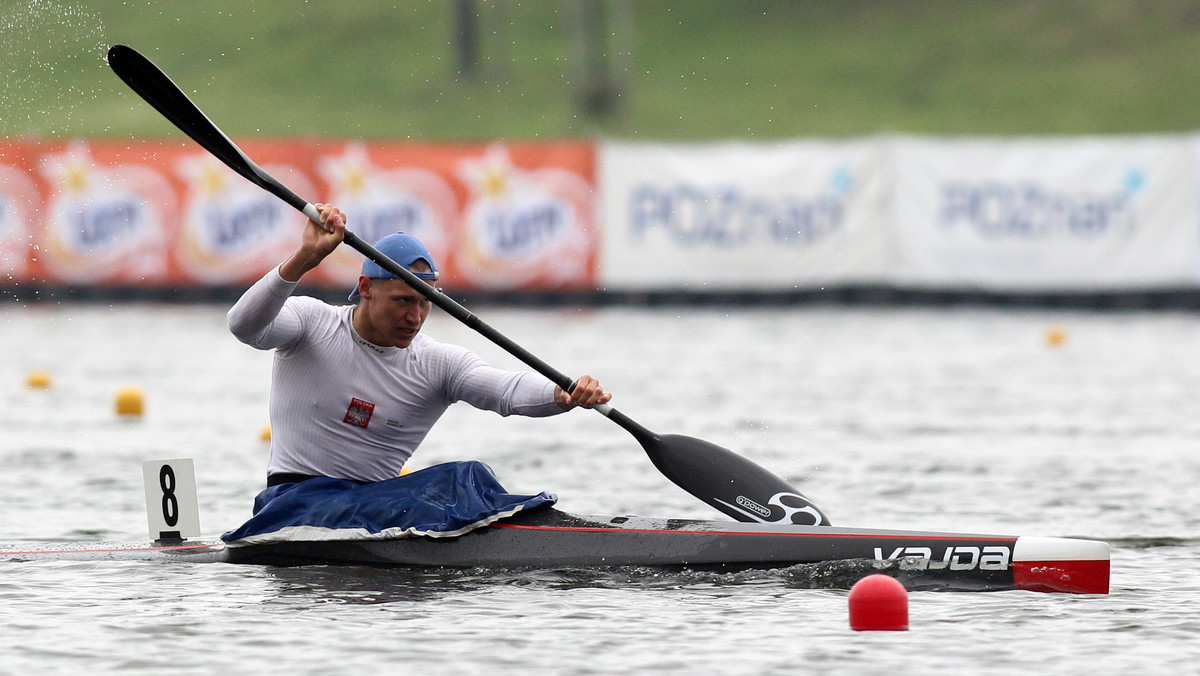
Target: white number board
{"x":172,"y":510}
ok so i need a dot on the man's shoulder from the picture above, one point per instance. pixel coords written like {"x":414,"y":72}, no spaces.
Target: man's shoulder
{"x":316,"y":303}
{"x":430,"y":351}
{"x":318,"y":317}
{"x":425,"y":346}
{"x":309,"y":305}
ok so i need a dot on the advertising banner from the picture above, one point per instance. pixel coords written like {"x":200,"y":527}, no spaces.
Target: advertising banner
{"x":1031,"y":214}
{"x":739,"y":215}
{"x":1045,"y":214}
{"x":159,"y":213}
{"x":495,"y":216}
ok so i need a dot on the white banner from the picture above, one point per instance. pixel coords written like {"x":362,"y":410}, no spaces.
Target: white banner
{"x":796,"y":214}
{"x":1048,"y":214}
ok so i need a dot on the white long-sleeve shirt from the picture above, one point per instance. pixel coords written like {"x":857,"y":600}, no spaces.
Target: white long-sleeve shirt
{"x":343,"y":407}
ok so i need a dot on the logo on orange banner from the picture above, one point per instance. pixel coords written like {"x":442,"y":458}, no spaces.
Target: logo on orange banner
{"x":104,"y":223}
{"x":524,"y":227}
{"x":232,"y":229}
{"x":379,"y":201}
{"x":18,"y":206}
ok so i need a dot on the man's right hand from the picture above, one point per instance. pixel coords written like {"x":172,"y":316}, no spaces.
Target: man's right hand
{"x":320,"y":239}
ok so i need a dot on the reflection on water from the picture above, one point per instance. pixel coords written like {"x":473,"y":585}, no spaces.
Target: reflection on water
{"x":375,"y":585}
{"x":365,"y":585}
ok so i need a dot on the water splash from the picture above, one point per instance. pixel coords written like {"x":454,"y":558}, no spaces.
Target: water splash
{"x":50,"y":50}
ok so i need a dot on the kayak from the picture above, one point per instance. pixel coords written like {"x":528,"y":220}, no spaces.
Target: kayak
{"x":458,"y":515}
{"x":548,"y":538}
{"x":527,"y":532}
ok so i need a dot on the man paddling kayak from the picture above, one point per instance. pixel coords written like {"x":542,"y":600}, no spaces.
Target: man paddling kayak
{"x":356,"y":388}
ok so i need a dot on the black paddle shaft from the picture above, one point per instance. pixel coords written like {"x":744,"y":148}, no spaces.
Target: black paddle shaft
{"x":726,"y":481}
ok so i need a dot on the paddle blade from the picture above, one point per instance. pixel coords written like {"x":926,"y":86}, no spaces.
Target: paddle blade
{"x":153,"y":85}
{"x":730,"y":483}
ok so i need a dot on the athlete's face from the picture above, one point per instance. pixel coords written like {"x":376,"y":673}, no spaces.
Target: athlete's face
{"x":390,"y":313}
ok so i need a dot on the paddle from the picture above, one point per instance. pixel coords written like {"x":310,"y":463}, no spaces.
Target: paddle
{"x":719,"y":477}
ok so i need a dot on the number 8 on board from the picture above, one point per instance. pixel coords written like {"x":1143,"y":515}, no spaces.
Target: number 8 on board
{"x":172,"y":511}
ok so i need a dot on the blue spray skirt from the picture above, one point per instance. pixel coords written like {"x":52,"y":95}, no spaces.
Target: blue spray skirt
{"x":445,"y":500}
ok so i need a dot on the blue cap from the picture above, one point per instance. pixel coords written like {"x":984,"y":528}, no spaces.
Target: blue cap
{"x":405,"y":250}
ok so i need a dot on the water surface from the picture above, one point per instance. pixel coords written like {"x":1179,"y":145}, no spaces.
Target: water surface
{"x":935,"y":419}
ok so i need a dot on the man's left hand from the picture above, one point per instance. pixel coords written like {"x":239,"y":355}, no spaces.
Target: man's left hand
{"x":587,"y":393}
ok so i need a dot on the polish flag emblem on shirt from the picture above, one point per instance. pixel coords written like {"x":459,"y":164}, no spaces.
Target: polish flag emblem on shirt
{"x":359,"y":412}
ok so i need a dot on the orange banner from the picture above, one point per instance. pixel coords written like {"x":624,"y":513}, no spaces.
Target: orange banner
{"x":166,"y":213}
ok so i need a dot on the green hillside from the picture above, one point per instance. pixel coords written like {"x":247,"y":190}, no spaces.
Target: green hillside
{"x":687,"y":70}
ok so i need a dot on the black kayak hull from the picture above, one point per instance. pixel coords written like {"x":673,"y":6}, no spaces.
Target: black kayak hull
{"x":549,"y":538}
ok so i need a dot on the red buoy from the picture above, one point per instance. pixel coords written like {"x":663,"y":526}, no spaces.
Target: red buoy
{"x":878,"y":602}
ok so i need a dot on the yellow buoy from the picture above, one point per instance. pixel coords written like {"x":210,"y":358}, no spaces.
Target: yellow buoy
{"x":39,"y":379}
{"x":265,"y":434}
{"x":130,"y":402}
{"x":1055,"y":336}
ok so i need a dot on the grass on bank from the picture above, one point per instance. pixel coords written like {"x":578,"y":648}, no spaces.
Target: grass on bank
{"x":696,"y":70}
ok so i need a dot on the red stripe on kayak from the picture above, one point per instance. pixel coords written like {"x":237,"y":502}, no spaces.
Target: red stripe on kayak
{"x":114,"y":549}
{"x":1072,"y":577}
{"x":581,"y":529}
